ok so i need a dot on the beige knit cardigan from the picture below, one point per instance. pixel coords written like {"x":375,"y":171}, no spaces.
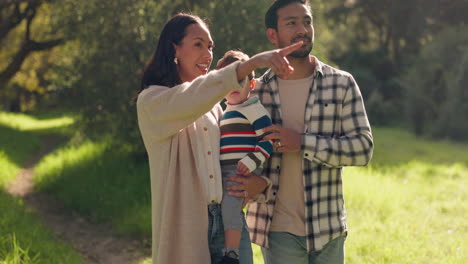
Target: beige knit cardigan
{"x":179,"y":206}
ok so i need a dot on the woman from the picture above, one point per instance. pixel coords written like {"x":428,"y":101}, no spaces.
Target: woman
{"x":178,"y":115}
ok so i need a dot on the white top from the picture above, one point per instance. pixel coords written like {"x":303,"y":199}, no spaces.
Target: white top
{"x":289,"y":213}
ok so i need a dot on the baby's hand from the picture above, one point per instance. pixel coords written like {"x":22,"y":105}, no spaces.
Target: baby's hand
{"x":242,"y":169}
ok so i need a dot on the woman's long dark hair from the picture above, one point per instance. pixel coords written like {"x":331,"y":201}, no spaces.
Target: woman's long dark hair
{"x":161,"y":69}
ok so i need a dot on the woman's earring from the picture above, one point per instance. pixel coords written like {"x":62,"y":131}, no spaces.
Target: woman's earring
{"x":176,"y":61}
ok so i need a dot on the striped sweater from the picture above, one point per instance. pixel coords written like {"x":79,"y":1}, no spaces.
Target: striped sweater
{"x":241,"y":134}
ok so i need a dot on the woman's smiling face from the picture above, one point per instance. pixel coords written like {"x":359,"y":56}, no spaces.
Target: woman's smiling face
{"x":195,"y":53}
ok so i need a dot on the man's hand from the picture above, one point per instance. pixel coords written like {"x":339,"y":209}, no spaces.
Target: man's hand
{"x":248,"y":187}
{"x":285,"y":139}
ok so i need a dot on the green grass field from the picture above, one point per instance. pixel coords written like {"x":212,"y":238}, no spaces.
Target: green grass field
{"x":101,"y":183}
{"x":23,"y":238}
{"x":408,"y":206}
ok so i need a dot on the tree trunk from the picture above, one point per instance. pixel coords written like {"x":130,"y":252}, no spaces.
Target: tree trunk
{"x":15,"y":15}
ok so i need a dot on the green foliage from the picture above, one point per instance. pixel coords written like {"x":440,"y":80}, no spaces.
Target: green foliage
{"x":379,"y":89}
{"x":398,"y":27}
{"x":108,"y":43}
{"x":435,"y":87}
{"x":113,"y":39}
{"x":24,"y":240}
{"x":230,"y":30}
{"x":27,"y":50}
{"x":378,"y":40}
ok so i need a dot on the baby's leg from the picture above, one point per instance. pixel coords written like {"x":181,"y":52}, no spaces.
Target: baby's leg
{"x":231,"y":210}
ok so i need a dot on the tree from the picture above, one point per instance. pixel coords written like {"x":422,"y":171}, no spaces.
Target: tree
{"x":13,"y":14}
{"x":379,"y":40}
{"x":114,"y":40}
{"x":398,"y":27}
{"x":435,"y":87}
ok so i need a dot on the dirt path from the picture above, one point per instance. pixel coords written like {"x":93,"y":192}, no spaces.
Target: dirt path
{"x":95,"y":243}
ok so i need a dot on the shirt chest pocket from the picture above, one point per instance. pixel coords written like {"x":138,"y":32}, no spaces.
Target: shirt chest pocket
{"x":326,"y":118}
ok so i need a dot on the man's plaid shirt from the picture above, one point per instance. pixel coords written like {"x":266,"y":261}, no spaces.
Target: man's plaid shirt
{"x":337,"y":133}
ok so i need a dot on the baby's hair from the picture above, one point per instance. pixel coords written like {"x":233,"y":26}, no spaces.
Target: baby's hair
{"x":232,"y":56}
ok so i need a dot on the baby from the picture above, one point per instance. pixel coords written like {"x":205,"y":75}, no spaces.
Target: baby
{"x":242,"y":151}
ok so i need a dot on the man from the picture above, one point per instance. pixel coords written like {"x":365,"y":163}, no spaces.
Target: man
{"x":319,"y":126}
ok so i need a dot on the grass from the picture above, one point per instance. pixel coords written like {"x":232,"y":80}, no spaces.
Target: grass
{"x":23,"y":238}
{"x":99,"y":182}
{"x":15,"y":148}
{"x":413,"y":214}
{"x":408,"y":206}
{"x":408,"y":200}
{"x":20,"y":137}
{"x":42,"y":123}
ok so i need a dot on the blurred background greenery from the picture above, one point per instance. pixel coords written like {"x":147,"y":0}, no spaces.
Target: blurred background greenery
{"x":409,"y":57}
{"x":71,"y":69}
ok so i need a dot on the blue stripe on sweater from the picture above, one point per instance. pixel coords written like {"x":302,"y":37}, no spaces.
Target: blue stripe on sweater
{"x":238,"y":141}
{"x":262,"y":122}
{"x":267,"y":146}
{"x":232,"y":114}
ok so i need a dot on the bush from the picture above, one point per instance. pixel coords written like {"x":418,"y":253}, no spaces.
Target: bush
{"x":374,"y":72}
{"x":434,"y":87}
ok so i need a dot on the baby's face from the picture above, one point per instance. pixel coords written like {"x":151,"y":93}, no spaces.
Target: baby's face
{"x":238,"y":97}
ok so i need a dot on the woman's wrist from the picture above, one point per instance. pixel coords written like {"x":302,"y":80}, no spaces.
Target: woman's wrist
{"x":245,"y":68}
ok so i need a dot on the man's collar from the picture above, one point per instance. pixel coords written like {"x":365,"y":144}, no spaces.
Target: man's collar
{"x":270,"y":74}
{"x":318,"y":65}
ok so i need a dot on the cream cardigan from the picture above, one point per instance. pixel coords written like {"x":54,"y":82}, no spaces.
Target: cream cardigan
{"x":167,"y":118}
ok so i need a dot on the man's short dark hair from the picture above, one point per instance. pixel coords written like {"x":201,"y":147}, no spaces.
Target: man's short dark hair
{"x":271,"y":16}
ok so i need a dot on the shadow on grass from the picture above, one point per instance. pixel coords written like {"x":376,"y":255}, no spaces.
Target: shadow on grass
{"x":18,"y":145}
{"x":21,"y":136}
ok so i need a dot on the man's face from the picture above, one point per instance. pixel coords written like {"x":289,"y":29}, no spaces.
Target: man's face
{"x":294,"y":25}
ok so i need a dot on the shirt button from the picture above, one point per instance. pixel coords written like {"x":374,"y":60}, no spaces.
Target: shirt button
{"x":278,"y":167}
{"x":206,"y":129}
{"x":209,"y":152}
{"x":307,"y":154}
{"x":211,"y":176}
{"x":213,"y":201}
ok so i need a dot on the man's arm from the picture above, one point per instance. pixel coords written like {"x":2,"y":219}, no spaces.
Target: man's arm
{"x":354,"y":147}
